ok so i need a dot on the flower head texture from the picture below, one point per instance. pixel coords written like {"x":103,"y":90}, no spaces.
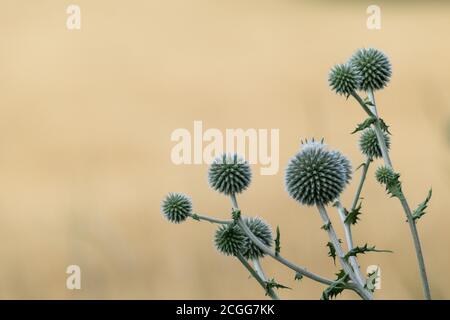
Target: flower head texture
{"x":262,"y":231}
{"x":229,"y":174}
{"x":384,"y":175}
{"x":176,"y":207}
{"x":229,"y":239}
{"x":374,"y":68}
{"x":316,"y":175}
{"x":344,"y":79}
{"x":368,"y":143}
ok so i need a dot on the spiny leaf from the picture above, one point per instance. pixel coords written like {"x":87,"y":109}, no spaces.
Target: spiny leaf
{"x":298,"y":276}
{"x":364,"y":125}
{"x":362,"y":250}
{"x":371,"y":280}
{"x":420,"y":211}
{"x":394,"y":187}
{"x":326,"y":226}
{"x":384,"y":126}
{"x":272,"y":284}
{"x":336,"y":287}
{"x":352,"y":216}
{"x":236,"y":214}
{"x":277,"y":242}
{"x":195,"y":217}
{"x":332,"y":251}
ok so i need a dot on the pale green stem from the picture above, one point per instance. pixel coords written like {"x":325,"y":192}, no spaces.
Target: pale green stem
{"x":361,"y":183}
{"x":272,"y":254}
{"x":262,"y":281}
{"x":196,"y":216}
{"x":403,"y":201}
{"x":349,"y":239}
{"x":340,"y":252}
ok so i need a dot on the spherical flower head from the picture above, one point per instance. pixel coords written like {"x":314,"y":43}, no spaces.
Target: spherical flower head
{"x":374,"y":68}
{"x":229,"y":174}
{"x":384,"y":175}
{"x":176,"y":207}
{"x":229,"y":240}
{"x":368,"y":143}
{"x":344,"y":79}
{"x":262,"y":231}
{"x":316,"y":175}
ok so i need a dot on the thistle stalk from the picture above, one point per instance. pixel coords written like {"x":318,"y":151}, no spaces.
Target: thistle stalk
{"x":406,"y":208}
{"x":260,"y":279}
{"x":349,"y":240}
{"x":340,"y":252}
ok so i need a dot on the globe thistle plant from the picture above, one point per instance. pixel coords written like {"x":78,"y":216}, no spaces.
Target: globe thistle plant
{"x":262,"y":231}
{"x":176,"y":207}
{"x":374,"y":68}
{"x":230,"y":240}
{"x":229,"y":174}
{"x":368,"y":143}
{"x":316,"y":175}
{"x":344,"y":79}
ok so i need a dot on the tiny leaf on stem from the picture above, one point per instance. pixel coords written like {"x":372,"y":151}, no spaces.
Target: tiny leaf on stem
{"x":336,"y":287}
{"x":272,"y":284}
{"x":371,"y":280}
{"x":298,"y":276}
{"x":420,"y":211}
{"x":277,"y":242}
{"x":364,"y":125}
{"x":362,"y":250}
{"x":352,"y":216}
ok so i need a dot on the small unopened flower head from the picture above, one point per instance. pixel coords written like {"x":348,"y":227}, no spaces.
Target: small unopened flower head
{"x":262,"y":231}
{"x":368,"y":143}
{"x":229,"y":174}
{"x":374,"y":68}
{"x":384,"y":175}
{"x":229,"y":240}
{"x":344,"y":79}
{"x":316,"y":175}
{"x":176,"y":207}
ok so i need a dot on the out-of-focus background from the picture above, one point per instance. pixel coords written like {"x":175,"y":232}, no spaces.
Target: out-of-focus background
{"x":86,"y":118}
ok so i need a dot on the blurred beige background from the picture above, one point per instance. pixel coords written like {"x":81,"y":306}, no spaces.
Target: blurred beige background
{"x":86,"y":118}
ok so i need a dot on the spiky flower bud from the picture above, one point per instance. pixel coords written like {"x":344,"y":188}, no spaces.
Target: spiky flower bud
{"x":368,"y":143}
{"x":229,"y":239}
{"x":316,"y":175}
{"x":374,"y":68}
{"x":176,"y":207}
{"x":262,"y":231}
{"x":384,"y":175}
{"x":344,"y":79}
{"x":229,"y":174}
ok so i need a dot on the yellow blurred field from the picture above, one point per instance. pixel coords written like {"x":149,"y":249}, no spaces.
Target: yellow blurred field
{"x":86,"y":118}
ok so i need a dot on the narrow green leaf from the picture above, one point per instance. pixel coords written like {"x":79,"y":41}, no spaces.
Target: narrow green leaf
{"x":362,"y":250}
{"x":336,"y":288}
{"x":298,"y":276}
{"x":371,"y":280}
{"x":384,"y":126}
{"x":326,"y":227}
{"x":332,"y":251}
{"x":236,"y":214}
{"x":364,"y":125}
{"x":195,"y":217}
{"x":277,"y":242}
{"x":352,"y":216}
{"x":272,"y":284}
{"x":420,"y":211}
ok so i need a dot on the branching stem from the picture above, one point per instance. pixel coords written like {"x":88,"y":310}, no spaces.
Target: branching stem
{"x":406,"y":208}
